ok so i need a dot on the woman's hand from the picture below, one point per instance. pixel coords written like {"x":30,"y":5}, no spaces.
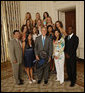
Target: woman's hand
{"x":55,"y":57}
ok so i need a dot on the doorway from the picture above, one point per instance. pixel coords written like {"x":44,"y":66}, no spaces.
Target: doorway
{"x":70,"y":20}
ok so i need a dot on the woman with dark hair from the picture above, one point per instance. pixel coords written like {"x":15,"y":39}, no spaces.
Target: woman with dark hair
{"x":50,"y":33}
{"x":45,"y":15}
{"x":29,"y":57}
{"x":58,"y":54}
{"x":34,"y":33}
{"x":29,"y":26}
{"x":59,"y":25}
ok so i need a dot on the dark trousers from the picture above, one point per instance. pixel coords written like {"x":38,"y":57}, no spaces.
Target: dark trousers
{"x":71,"y":69}
{"x":43,"y":71}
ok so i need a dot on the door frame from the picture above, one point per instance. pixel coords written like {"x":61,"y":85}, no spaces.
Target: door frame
{"x":79,"y":6}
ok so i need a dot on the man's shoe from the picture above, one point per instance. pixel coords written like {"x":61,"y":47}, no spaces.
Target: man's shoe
{"x":45,"y":82}
{"x":72,"y":84}
{"x":21,"y":80}
{"x":21,"y":83}
{"x":39,"y":81}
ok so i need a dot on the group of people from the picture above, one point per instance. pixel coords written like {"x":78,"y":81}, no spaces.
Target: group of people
{"x":46,"y":44}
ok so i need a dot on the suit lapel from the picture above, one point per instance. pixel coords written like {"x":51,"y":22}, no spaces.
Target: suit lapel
{"x":17,"y":43}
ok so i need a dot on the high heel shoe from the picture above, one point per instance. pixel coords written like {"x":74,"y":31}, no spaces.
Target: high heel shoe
{"x":33,"y":80}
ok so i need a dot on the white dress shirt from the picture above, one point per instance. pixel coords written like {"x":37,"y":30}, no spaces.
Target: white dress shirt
{"x":43,"y":37}
{"x":71,"y":35}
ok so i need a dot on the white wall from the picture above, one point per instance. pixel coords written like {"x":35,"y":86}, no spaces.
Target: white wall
{"x":36,"y":6}
{"x":52,"y":8}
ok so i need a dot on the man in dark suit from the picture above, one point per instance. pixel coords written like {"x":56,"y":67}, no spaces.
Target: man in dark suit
{"x":43,"y":42}
{"x":71,"y":44}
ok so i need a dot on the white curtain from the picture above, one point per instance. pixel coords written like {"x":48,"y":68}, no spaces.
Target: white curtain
{"x":10,"y":21}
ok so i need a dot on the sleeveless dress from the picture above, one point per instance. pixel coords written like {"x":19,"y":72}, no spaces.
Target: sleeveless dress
{"x":29,"y":56}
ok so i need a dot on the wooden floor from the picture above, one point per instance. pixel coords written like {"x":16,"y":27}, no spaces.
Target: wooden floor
{"x":7,"y":81}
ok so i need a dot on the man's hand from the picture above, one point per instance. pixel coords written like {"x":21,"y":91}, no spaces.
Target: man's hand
{"x":67,"y":56}
{"x":37,"y":58}
{"x":49,"y":59}
{"x":15,"y":62}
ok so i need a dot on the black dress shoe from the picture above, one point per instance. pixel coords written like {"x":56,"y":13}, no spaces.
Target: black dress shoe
{"x":21,"y":83}
{"x":21,"y":80}
{"x":45,"y":82}
{"x":39,"y":81}
{"x":72,"y":84}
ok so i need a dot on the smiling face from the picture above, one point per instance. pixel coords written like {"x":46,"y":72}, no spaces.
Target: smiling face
{"x":17,"y":35}
{"x":28,"y":22}
{"x":45,"y":14}
{"x":48,"y":20}
{"x":58,"y":24}
{"x":50,"y":29}
{"x":70,"y":30}
{"x":39,"y":23}
{"x":27,"y":16}
{"x":57,"y":33}
{"x":44,"y":31}
{"x":25,"y":29}
{"x":34,"y":30}
{"x":37,"y":16}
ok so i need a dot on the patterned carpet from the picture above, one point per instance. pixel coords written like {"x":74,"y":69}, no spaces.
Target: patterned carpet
{"x":8,"y":84}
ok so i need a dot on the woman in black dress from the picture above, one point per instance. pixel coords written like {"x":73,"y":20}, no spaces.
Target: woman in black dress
{"x":29,"y":57}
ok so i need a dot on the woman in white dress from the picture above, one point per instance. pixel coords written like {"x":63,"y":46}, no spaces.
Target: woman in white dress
{"x":58,"y":54}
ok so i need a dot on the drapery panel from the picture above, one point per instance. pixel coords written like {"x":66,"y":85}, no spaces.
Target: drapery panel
{"x":10,"y":21}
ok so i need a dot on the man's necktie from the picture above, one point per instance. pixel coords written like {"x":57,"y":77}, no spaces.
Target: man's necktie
{"x":43,"y":41}
{"x":68,"y":37}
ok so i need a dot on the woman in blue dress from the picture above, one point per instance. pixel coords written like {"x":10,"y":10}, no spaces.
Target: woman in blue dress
{"x":50,"y":33}
{"x":29,"y":57}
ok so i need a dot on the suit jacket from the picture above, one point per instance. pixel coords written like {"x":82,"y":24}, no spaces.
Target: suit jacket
{"x":15,"y":51}
{"x":71,"y":45}
{"x":48,"y":46}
